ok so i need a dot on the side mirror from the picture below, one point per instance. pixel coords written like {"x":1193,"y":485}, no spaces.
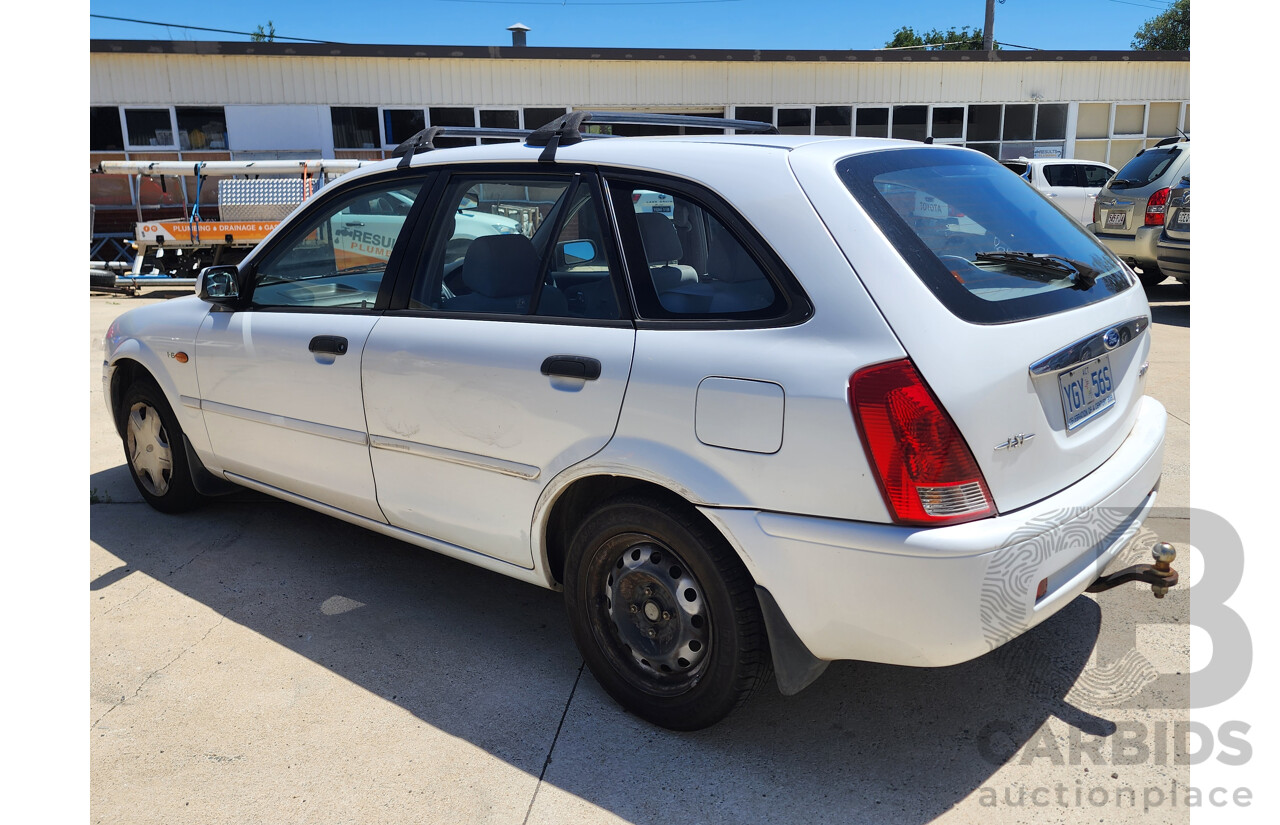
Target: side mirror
{"x":219,"y":284}
{"x":577,"y":252}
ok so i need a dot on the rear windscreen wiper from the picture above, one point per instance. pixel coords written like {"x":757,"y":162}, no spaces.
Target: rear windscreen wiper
{"x":1082,"y":276}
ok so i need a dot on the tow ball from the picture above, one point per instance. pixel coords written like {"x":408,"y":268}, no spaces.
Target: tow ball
{"x":1161,"y":575}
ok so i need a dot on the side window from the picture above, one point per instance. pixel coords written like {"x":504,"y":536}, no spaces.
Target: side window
{"x":340,"y":256}
{"x":695,"y":265}
{"x":518,"y":246}
{"x":1096,"y":176}
{"x":1060,"y":174}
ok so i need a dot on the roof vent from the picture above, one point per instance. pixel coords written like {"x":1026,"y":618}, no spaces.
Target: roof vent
{"x":517,"y":34}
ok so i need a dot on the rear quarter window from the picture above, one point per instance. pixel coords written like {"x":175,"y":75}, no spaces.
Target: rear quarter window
{"x":989,"y":247}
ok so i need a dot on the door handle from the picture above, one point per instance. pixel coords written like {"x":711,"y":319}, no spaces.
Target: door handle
{"x":355,"y":223}
{"x":332,"y":344}
{"x":571,"y":366}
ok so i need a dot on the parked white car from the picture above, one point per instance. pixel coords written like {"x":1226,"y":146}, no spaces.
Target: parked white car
{"x":1072,"y":184}
{"x":853,"y":399}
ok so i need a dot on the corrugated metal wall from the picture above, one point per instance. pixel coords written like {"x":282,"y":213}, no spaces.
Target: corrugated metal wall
{"x":131,"y":79}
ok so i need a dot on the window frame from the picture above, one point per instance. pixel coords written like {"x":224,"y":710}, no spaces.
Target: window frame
{"x":302,"y":225}
{"x":130,"y":146}
{"x":429,"y":231}
{"x":791,"y":307}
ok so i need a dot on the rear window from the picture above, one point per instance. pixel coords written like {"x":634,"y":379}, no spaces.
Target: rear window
{"x":992,"y":249}
{"x":1146,"y":168}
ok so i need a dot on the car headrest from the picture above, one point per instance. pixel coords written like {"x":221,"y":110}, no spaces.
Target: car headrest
{"x":501,"y":266}
{"x":658,"y":234}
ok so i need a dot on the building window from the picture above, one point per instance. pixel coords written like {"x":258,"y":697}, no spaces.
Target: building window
{"x":795,"y":121}
{"x":909,"y":122}
{"x":398,"y":125}
{"x":873,"y":122}
{"x":1019,"y":121}
{"x":833,"y":120}
{"x":761,"y":114}
{"x":105,"y":134}
{"x":354,"y":127}
{"x":984,"y":122}
{"x":1051,"y":121}
{"x":149,"y":127}
{"x":537,"y":117}
{"x":452,"y":116}
{"x":948,"y":122}
{"x":201,"y":128}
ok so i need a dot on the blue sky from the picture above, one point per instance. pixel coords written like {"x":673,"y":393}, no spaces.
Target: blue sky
{"x":719,"y":24}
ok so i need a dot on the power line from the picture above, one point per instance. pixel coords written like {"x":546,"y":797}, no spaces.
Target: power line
{"x":203,"y":28}
{"x":581,"y":5}
{"x":1154,"y":7}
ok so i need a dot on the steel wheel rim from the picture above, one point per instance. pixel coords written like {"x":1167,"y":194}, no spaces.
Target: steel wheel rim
{"x":147,"y":443}
{"x":653,"y":617}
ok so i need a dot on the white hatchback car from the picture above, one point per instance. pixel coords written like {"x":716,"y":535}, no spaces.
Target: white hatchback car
{"x":809,"y":414}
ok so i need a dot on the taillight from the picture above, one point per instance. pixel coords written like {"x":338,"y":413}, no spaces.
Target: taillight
{"x":635,"y":197}
{"x":1097,"y":212}
{"x":1155,"y":208}
{"x":925,"y":469}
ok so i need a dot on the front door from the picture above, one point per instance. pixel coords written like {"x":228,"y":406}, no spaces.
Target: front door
{"x":280,"y":378}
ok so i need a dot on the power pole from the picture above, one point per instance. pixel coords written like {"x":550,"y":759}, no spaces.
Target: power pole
{"x":989,"y":26}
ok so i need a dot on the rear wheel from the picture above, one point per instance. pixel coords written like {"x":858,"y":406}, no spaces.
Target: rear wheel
{"x":664,"y":613}
{"x":1151,"y":276}
{"x":154,"y":449}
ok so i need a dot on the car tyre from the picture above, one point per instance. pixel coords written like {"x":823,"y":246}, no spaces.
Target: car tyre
{"x":101,"y":279}
{"x":664,"y":613}
{"x":1151,"y":276}
{"x":154,"y":449}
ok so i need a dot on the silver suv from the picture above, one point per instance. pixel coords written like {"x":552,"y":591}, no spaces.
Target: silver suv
{"x":1129,"y":213}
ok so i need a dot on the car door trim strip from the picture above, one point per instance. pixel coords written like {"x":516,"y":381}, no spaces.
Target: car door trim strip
{"x":480,"y":462}
{"x":286,"y":423}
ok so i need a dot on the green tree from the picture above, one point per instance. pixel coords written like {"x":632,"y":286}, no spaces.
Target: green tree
{"x":1169,"y":31}
{"x":937,"y":39}
{"x":264,"y":36}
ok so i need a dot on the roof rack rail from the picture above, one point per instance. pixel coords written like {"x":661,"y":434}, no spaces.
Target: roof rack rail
{"x":566,"y":130}
{"x":424,"y":141}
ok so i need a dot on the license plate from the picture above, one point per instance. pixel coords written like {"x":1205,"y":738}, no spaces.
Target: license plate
{"x":662,"y":208}
{"x":1184,"y":218}
{"x":1086,"y":391}
{"x":1115,"y":219}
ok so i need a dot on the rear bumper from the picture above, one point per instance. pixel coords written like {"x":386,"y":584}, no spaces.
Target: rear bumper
{"x":1138,"y":249}
{"x":940,"y":596}
{"x":1174,"y":257}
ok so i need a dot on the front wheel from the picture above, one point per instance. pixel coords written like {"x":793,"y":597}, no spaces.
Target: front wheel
{"x":154,"y":449}
{"x":664,"y":613}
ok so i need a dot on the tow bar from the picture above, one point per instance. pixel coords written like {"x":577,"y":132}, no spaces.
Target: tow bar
{"x":1161,"y":576}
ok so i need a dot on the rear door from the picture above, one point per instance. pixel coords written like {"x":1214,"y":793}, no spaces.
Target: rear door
{"x":1039,"y":361}
{"x":504,"y":361}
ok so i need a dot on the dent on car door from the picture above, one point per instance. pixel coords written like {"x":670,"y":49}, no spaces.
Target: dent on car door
{"x":280,"y":374}
{"x":504,"y":362}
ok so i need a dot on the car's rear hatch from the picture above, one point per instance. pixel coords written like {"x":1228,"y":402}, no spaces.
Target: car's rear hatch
{"x":1039,"y":361}
{"x":1121,"y":206}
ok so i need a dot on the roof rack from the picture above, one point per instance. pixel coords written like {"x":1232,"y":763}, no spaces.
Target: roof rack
{"x":424,"y":141}
{"x":566,"y":130}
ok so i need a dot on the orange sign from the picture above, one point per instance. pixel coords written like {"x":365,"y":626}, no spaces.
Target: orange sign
{"x":204,"y":233}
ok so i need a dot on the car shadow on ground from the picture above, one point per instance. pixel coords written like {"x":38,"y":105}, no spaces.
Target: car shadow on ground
{"x":1170,"y":304}
{"x":490,"y":660}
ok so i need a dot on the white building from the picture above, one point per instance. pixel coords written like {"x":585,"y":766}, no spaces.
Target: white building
{"x":183,"y":100}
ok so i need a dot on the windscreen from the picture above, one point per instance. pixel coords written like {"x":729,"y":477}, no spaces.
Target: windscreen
{"x":989,"y":246}
{"x":1145,"y":168}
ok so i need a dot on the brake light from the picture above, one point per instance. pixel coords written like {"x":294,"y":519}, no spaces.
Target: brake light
{"x":635,"y":197}
{"x":1155,"y":208}
{"x":925,"y":470}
